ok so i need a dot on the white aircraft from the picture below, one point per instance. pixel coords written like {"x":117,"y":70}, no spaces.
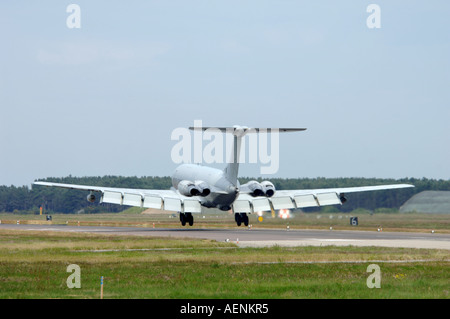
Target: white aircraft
{"x":195,"y":186}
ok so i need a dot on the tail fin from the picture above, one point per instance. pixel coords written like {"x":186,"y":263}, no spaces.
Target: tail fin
{"x":232,"y":169}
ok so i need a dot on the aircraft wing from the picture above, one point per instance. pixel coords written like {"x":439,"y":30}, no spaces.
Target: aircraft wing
{"x":170,"y":200}
{"x":291,"y":199}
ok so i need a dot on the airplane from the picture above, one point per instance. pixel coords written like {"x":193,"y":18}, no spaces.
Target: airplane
{"x":196,"y":186}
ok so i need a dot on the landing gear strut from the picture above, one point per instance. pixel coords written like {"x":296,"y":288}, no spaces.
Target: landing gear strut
{"x":241,"y":218}
{"x":186,"y":218}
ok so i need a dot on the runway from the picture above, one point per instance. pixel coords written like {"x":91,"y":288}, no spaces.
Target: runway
{"x":245,"y":237}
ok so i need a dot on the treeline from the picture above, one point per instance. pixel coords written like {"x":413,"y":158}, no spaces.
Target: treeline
{"x":55,"y":200}
{"x":58,"y":200}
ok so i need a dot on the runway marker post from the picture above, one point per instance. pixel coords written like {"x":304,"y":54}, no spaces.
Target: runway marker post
{"x":101,"y":288}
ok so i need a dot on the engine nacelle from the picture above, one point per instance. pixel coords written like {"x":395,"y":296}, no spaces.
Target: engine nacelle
{"x":203,"y":188}
{"x":268,"y":188}
{"x":90,"y":198}
{"x":255,"y":188}
{"x":188,"y":188}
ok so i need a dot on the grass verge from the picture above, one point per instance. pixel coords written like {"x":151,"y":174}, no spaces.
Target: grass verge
{"x":34,"y":265}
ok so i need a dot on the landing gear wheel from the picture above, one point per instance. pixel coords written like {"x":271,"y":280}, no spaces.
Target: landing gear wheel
{"x":186,"y":218}
{"x":237,"y":218}
{"x":241,"y":218}
{"x":182,"y":219}
{"x":245,"y":219}
{"x":190,"y":219}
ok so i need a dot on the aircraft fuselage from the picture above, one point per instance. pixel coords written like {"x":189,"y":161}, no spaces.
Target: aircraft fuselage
{"x":223,"y":192}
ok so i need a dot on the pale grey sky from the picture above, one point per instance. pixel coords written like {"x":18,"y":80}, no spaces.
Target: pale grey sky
{"x":104,"y":99}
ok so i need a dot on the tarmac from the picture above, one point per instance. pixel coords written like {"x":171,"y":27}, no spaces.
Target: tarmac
{"x":246,"y":237}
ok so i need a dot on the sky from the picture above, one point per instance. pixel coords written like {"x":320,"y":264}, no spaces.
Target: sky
{"x":104,"y":98}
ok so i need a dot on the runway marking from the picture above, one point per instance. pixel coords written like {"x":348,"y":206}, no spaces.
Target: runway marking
{"x":40,"y":229}
{"x":332,"y":240}
{"x":340,"y":262}
{"x":149,"y":249}
{"x":405,"y":243}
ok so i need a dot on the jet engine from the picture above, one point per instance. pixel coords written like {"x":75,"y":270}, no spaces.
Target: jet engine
{"x":268,"y":188}
{"x":255,"y":189}
{"x":203,"y":188}
{"x":91,"y":198}
{"x":188,"y":188}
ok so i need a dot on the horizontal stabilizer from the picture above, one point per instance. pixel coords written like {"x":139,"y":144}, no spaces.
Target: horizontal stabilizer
{"x":242,"y":130}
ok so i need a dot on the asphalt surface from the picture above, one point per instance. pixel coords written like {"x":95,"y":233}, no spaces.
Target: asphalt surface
{"x":246,"y":237}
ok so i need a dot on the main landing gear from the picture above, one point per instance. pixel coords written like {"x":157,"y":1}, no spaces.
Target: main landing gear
{"x":241,"y":218}
{"x":186,"y":218}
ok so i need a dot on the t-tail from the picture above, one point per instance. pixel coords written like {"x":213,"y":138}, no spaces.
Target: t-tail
{"x":232,"y":169}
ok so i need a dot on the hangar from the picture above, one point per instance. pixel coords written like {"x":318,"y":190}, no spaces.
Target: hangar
{"x":436,"y":202}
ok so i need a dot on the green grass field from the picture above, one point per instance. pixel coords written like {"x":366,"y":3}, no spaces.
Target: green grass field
{"x":34,"y":265}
